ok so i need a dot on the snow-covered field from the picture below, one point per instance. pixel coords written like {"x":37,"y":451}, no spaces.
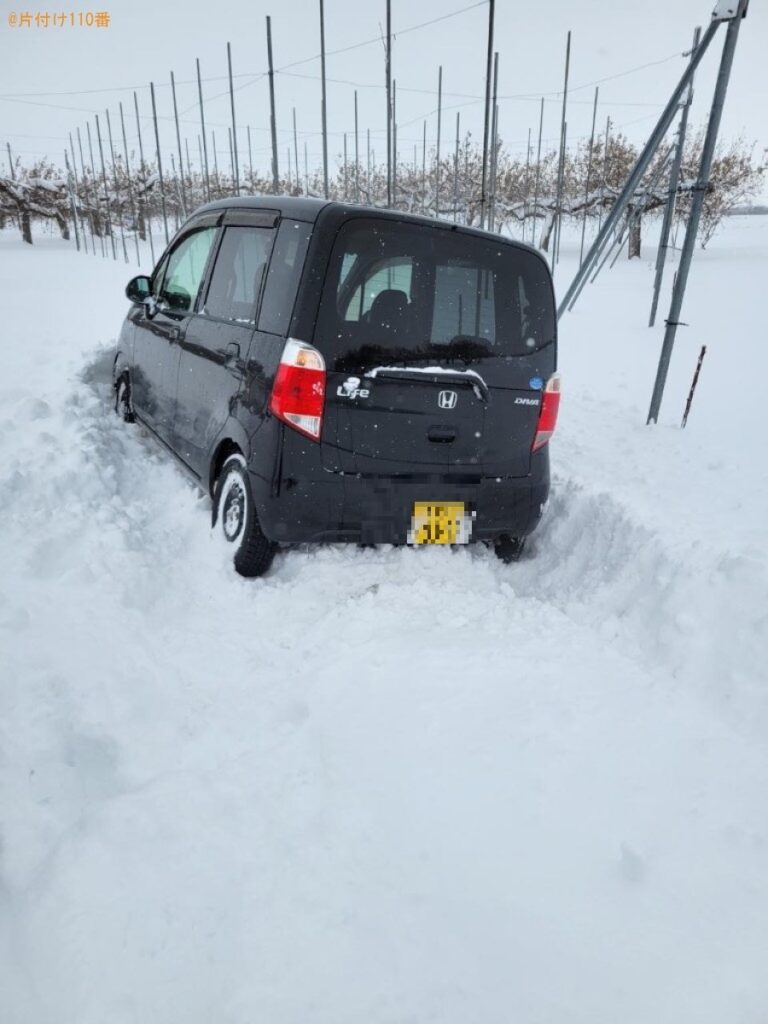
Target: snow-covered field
{"x":389,"y":786}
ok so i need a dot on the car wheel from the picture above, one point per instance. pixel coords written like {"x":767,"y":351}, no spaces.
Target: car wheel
{"x":123,"y":406}
{"x":234,"y":516}
{"x":509,"y":549}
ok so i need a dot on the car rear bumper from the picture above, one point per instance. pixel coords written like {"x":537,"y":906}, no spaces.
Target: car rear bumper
{"x":378,"y":509}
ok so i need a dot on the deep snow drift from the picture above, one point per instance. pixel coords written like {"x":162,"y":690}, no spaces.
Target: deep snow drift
{"x":396,"y":785}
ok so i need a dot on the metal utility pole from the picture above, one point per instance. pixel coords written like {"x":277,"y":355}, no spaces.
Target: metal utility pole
{"x":344,"y":172}
{"x":272,"y":118}
{"x":95,"y":186}
{"x":674,"y":178}
{"x":641,"y":166}
{"x":388,"y":79}
{"x":159,"y":162}
{"x":250,"y":158}
{"x":295,"y":150}
{"x":424,"y":172}
{"x":324,"y":100}
{"x":178,"y":143}
{"x":236,"y":165}
{"x":589,"y":176}
{"x":72,"y":203}
{"x":487,"y":118}
{"x":561,"y":160}
{"x":131,"y":195}
{"x":439,"y":126}
{"x":492,"y":190}
{"x":394,"y":142}
{"x":538,"y":174}
{"x":83,"y":220}
{"x":734,"y":20}
{"x":106,"y":190}
{"x":494,"y":133}
{"x":140,"y":201}
{"x":231,"y":156}
{"x":527,"y":181}
{"x":202,"y":133}
{"x":357,"y":156}
{"x":175,"y":186}
{"x":117,"y":186}
{"x":215,"y":161}
{"x":456,"y":172}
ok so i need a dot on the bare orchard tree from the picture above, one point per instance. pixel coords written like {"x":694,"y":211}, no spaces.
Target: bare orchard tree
{"x":524,"y":198}
{"x":39,"y":191}
{"x":737,"y":176}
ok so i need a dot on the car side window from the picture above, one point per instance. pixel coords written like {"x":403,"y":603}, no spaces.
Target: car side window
{"x":285,"y":271}
{"x":185,"y":270}
{"x":237,"y":274}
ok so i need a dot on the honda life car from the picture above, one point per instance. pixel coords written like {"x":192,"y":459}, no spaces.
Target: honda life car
{"x":343,"y":374}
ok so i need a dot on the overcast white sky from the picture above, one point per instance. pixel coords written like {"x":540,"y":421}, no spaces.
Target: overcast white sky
{"x":54,"y":79}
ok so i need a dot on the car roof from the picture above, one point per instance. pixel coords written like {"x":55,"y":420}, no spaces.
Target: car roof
{"x":309,"y":208}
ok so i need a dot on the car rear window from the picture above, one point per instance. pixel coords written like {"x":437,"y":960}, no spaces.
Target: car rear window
{"x":405,"y":292}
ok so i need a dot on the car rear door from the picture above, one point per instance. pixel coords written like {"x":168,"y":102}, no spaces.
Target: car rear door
{"x":436,"y":355}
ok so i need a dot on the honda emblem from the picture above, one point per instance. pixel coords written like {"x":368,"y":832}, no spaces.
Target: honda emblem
{"x":447,"y":399}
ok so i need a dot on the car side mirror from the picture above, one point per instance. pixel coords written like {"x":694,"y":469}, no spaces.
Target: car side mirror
{"x":138,"y":289}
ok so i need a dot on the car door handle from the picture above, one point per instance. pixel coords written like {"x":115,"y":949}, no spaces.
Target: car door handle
{"x":173,"y":333}
{"x":231,"y":353}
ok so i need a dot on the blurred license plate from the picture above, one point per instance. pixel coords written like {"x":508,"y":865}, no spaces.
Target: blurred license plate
{"x":442,"y":522}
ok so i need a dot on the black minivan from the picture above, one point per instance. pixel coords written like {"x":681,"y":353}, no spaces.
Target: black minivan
{"x":336,"y":373}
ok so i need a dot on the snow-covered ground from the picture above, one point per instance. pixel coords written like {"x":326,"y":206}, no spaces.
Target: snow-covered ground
{"x":392,"y":785}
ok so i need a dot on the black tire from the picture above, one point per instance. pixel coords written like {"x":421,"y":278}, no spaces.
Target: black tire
{"x":123,"y":406}
{"x":509,"y":549}
{"x":235,"y":513}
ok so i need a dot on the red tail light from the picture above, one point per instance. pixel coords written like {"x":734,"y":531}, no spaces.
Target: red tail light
{"x":550,"y":404}
{"x":298,"y":394}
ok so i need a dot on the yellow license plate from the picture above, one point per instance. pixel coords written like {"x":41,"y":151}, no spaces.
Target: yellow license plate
{"x":442,"y":522}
